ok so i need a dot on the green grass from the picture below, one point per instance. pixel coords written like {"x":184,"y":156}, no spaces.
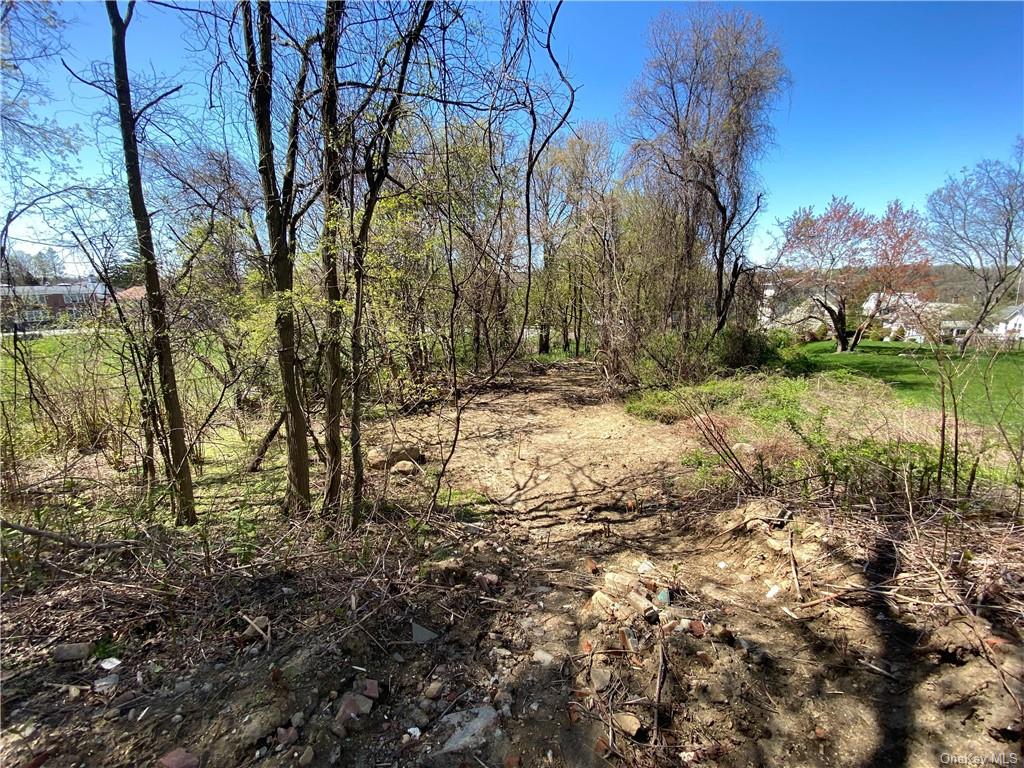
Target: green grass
{"x":990,"y":387}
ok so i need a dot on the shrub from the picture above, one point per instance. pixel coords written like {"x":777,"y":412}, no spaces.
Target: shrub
{"x":743,"y":348}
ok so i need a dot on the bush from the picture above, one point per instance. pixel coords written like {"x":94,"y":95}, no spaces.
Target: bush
{"x":782,"y":338}
{"x":876,"y":333}
{"x":796,"y":362}
{"x":743,"y":348}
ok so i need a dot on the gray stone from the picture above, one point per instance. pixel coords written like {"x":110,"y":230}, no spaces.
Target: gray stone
{"x":601,"y":677}
{"x":421,"y":635}
{"x":543,"y":658}
{"x":405,"y":468}
{"x":306,"y":758}
{"x":72,"y":651}
{"x":473,"y":728}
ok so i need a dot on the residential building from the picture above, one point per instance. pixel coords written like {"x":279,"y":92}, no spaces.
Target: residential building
{"x":24,"y":307}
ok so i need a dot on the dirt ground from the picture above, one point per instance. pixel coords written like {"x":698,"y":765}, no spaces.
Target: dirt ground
{"x":529,"y":639}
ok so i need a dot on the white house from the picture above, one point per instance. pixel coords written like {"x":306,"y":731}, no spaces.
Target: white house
{"x":1010,"y":323}
{"x":887,"y":304}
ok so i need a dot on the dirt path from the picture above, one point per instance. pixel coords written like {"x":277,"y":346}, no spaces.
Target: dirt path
{"x":521,"y":640}
{"x":759,"y":681}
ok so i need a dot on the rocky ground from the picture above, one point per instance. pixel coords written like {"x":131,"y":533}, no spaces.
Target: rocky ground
{"x":594,"y":618}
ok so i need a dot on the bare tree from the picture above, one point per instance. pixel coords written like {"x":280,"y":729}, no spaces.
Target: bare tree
{"x":333,"y":200}
{"x":281,"y":213}
{"x":977,"y":223}
{"x":701,"y":112}
{"x":180,"y":470}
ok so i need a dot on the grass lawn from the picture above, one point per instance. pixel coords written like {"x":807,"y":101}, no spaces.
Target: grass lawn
{"x":911,"y":370}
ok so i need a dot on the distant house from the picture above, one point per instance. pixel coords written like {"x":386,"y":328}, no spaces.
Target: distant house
{"x":884,"y":305}
{"x":929,"y":321}
{"x":24,"y":307}
{"x":1009,"y":323}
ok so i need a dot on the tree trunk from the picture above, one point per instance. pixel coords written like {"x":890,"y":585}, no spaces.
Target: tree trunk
{"x":180,"y":470}
{"x":334,"y":187}
{"x":260,"y":92}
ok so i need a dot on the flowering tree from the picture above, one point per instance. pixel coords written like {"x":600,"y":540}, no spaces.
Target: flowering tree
{"x":829,"y":251}
{"x":845,"y":255}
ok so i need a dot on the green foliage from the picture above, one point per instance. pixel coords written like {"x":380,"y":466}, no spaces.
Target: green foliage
{"x":775,"y":400}
{"x":988,"y":385}
{"x":669,"y":405}
{"x":737,"y":347}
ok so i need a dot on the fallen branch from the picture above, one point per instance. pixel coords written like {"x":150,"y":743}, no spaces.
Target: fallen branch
{"x":68,"y":541}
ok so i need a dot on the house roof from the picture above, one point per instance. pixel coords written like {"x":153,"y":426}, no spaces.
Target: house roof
{"x":1013,"y":311}
{"x":135,"y":293}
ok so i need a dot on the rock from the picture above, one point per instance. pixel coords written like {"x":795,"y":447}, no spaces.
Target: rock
{"x":542,"y":657}
{"x":434,"y":690}
{"x":338,"y":729}
{"x":627,"y":723}
{"x":72,"y":651}
{"x":287,"y":736}
{"x":644,"y":566}
{"x":473,"y":728}
{"x":404,"y":468}
{"x":110,"y":664}
{"x":371,"y":688}
{"x":716,"y":693}
{"x":251,"y":632}
{"x":378,"y":459}
{"x":601,"y":677}
{"x":298,"y":719}
{"x":421,"y":635}
{"x":487,"y":582}
{"x":306,"y":758}
{"x":603,"y":603}
{"x":773,"y":592}
{"x":179,"y":758}
{"x":420,"y":718}
{"x":743,"y":449}
{"x":261,"y":722}
{"x":353,"y":705}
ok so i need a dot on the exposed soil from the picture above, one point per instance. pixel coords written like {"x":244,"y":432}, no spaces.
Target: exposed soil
{"x":527,"y":667}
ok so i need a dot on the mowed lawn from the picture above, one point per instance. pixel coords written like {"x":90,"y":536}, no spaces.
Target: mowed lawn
{"x":991,"y":386}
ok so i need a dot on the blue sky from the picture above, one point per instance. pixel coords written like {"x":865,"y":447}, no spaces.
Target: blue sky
{"x":887,"y":99}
